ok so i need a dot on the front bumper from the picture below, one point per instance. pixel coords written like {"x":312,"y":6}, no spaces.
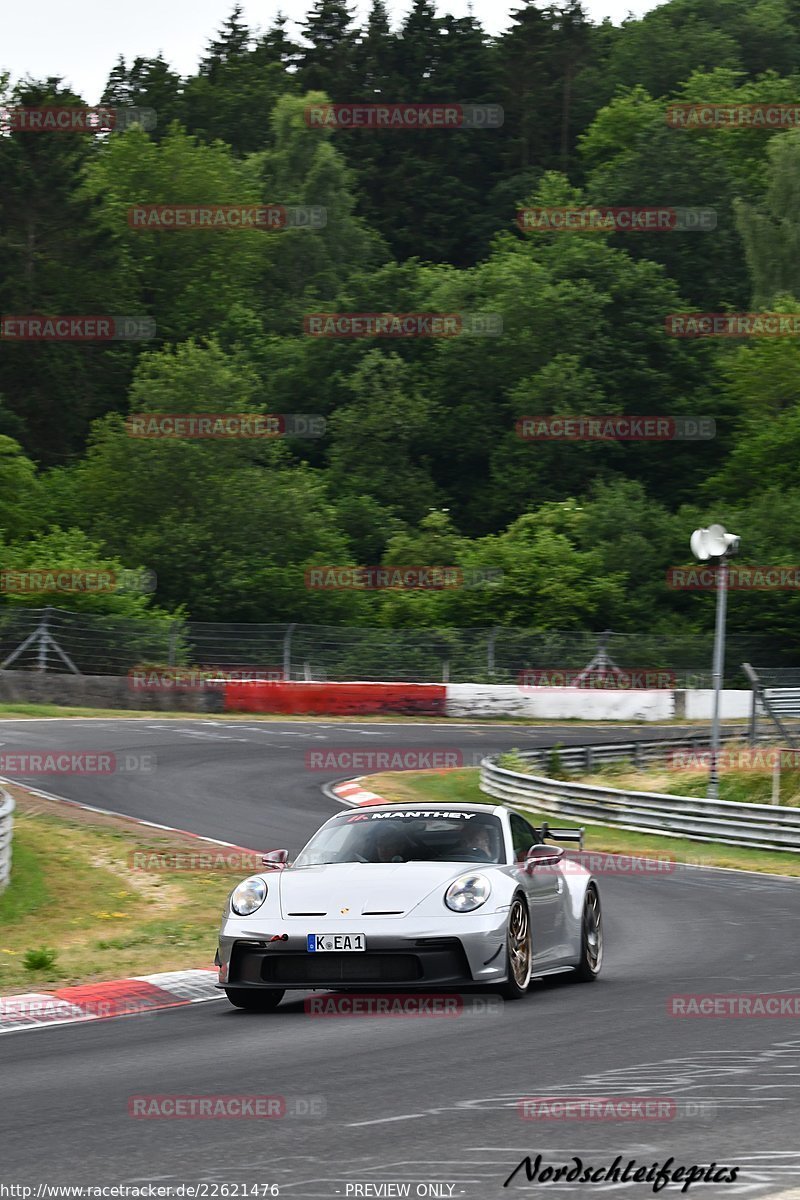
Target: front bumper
{"x":420,"y":958}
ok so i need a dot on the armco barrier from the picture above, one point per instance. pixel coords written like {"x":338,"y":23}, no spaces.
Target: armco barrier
{"x":336,"y":698}
{"x":6,"y":827}
{"x":760,"y":826}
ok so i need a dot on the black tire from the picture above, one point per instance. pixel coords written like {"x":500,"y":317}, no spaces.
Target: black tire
{"x":591,"y":961}
{"x":519,"y":951}
{"x":255,"y":999}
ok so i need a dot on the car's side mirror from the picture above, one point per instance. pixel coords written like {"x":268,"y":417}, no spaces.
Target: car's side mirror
{"x":542,"y":856}
{"x":276,"y":859}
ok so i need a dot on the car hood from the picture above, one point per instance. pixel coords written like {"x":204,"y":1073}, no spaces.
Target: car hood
{"x":347,"y":890}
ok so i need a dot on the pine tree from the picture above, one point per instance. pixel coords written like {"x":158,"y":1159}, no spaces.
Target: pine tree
{"x":523,"y":59}
{"x":56,"y":258}
{"x":420,"y":49}
{"x":230,"y":46}
{"x":118,"y":87}
{"x":327,"y":64}
{"x":572,"y":48}
{"x":375,"y":56}
{"x":275,"y":46}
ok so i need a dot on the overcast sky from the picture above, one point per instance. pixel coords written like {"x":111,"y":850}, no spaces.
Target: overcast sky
{"x":82,"y":43}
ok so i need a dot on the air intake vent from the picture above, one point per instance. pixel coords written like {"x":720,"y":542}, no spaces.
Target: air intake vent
{"x":307,"y":914}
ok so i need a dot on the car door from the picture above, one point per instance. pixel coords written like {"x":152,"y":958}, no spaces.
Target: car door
{"x":544,"y":888}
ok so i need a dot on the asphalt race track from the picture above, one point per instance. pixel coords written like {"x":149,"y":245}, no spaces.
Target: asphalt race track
{"x":421,"y":1102}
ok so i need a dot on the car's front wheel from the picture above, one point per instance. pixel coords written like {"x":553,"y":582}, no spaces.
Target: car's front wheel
{"x":519,"y":951}
{"x":255,"y":999}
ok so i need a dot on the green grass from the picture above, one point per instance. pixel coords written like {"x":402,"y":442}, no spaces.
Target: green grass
{"x":26,"y":893}
{"x":73,"y":889}
{"x":744,"y":786}
{"x":462,"y":786}
{"x":13,"y":709}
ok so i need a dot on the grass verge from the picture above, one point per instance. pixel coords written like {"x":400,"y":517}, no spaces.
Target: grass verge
{"x":462,"y":786}
{"x":752,"y":785}
{"x":10,"y":710}
{"x":77,"y":889}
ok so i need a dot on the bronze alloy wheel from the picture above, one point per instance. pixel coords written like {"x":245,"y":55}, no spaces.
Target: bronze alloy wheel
{"x":593,"y":932}
{"x":591,"y":959}
{"x":520,"y":953}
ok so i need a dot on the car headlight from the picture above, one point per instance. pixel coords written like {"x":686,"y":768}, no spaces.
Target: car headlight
{"x":468,"y":892}
{"x":248,"y":896}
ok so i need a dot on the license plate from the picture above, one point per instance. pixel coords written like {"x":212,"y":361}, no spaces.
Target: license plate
{"x":317,"y":943}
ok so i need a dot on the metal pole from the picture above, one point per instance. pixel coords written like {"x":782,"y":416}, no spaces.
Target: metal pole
{"x":754,"y":717}
{"x":44,"y":638}
{"x":287,"y":651}
{"x":490,"y":650}
{"x":719,"y":663}
{"x":173,"y":642}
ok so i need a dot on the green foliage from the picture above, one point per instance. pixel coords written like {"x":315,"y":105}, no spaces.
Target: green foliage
{"x":512,"y":760}
{"x":555,"y":764}
{"x":771,"y":234}
{"x":40,"y":960}
{"x":421,"y":463}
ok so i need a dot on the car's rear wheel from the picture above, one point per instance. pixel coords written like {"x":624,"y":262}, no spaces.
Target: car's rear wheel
{"x":519,"y":951}
{"x":591,"y":959}
{"x":255,"y":999}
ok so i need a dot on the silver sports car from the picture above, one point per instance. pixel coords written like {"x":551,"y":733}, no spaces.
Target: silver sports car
{"x":401,"y":896}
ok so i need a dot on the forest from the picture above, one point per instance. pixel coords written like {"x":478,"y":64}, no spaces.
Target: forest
{"x":416,"y":457}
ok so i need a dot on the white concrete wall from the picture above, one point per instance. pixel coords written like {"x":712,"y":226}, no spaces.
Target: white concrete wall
{"x":558,"y":704}
{"x":700,"y":702}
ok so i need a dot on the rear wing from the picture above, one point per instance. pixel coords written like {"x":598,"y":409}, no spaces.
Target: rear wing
{"x":561,"y":835}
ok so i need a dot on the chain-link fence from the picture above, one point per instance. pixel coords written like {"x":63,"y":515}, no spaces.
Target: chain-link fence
{"x":89,"y":644}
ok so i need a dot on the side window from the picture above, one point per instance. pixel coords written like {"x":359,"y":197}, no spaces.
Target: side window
{"x":522,"y":837}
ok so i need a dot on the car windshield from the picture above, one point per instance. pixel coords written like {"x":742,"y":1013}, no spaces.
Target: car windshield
{"x":406,"y":836}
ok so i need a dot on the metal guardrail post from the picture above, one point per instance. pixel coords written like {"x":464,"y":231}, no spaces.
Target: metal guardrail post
{"x":6,"y":829}
{"x":287,"y":651}
{"x":759,"y":688}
